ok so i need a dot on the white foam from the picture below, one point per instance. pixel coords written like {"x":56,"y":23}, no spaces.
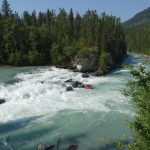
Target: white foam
{"x":40,"y":93}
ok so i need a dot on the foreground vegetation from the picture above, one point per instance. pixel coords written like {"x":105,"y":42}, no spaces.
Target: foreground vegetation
{"x":55,"y":38}
{"x":137,"y":31}
{"x":139,"y":91}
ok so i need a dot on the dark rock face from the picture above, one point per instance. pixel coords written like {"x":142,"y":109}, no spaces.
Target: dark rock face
{"x":69,"y":88}
{"x":85,"y":75}
{"x":77,"y":84}
{"x":2,"y":101}
{"x":86,"y":61}
{"x":70,"y":84}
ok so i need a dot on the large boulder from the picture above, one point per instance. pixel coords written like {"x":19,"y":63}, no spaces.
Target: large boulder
{"x":86,"y":61}
{"x":69,"y":88}
{"x":77,"y":84}
{"x":2,"y":101}
{"x":85,"y":75}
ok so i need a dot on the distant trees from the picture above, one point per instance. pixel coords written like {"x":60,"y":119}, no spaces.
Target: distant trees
{"x":138,"y":39}
{"x":56,"y":38}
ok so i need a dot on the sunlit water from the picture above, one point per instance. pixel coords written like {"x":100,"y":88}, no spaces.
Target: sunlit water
{"x":40,"y":110}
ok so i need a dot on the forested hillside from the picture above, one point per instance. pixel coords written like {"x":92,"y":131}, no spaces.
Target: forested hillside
{"x":56,"y":38}
{"x":137,"y":31}
{"x":138,"y":39}
{"x":140,"y":18}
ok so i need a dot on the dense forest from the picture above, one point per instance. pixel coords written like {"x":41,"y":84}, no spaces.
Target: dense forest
{"x":137,"y":31}
{"x":56,"y":38}
{"x":138,"y":39}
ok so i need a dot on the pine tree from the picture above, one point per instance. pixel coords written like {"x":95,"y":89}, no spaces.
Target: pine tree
{"x":71,"y":25}
{"x":6,"y":10}
{"x":77,"y":28}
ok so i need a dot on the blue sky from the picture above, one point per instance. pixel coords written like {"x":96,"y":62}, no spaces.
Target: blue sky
{"x":124,"y":9}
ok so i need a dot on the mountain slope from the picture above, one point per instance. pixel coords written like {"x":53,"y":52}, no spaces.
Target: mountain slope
{"x":139,"y":19}
{"x":137,"y":31}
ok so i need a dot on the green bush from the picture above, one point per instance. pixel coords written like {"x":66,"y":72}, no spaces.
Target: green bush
{"x":104,"y":61}
{"x":139,"y":92}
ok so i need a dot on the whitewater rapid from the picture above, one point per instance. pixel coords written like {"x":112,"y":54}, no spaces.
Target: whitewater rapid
{"x":38,"y":108}
{"x":40,"y":92}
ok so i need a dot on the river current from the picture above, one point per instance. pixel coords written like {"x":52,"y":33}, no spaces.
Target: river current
{"x":38,"y":109}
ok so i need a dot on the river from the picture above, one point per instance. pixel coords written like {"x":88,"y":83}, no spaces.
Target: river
{"x":40,"y":110}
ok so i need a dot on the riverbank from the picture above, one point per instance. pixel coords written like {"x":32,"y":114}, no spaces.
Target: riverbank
{"x":92,"y":73}
{"x":147,"y":57}
{"x":6,"y":66}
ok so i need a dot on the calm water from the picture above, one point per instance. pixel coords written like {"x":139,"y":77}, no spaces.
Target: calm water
{"x":39,"y":110}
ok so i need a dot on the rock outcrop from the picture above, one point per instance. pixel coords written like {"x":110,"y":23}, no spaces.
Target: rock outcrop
{"x":86,"y":61}
{"x":90,"y":62}
{"x":69,"y":88}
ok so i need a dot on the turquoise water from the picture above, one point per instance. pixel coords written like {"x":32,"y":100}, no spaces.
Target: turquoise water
{"x":39,"y":110}
{"x":7,"y":73}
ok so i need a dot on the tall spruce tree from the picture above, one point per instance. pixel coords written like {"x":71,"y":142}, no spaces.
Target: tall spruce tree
{"x":6,"y":10}
{"x":71,"y":25}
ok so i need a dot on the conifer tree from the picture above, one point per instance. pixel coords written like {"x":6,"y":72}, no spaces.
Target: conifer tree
{"x":6,"y":10}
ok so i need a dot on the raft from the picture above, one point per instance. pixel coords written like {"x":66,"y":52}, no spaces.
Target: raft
{"x":88,"y":86}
